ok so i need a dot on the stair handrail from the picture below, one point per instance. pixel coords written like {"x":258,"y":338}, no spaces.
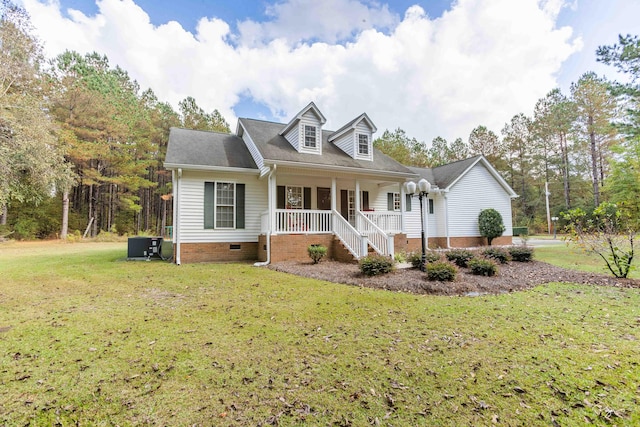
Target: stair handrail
{"x":378,"y":238}
{"x":348,"y":235}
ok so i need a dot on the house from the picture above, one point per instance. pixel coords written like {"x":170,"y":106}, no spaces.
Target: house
{"x":272,"y":189}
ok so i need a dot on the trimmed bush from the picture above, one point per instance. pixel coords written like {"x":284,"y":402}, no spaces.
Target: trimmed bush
{"x":460,"y":257}
{"x":483,"y":267}
{"x":374,"y":265}
{"x":519,"y":231}
{"x":521,"y":253}
{"x":317,"y":252}
{"x":490,"y":224}
{"x":415,"y":258}
{"x":498,"y":254}
{"x":441,"y":271}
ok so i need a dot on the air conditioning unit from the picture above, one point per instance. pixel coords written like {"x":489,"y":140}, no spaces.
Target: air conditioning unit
{"x":144,"y":248}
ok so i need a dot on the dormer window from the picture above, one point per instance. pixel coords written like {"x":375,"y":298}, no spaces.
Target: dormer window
{"x":310,"y":136}
{"x":363,"y":144}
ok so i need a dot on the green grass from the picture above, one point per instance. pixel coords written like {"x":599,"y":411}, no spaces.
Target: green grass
{"x":87,"y":338}
{"x":569,"y":256}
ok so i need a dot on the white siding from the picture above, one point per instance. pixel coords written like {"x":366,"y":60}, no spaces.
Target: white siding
{"x":192,"y":207}
{"x":253,"y":150}
{"x":292,"y":137}
{"x":345,"y":143}
{"x":311,"y":182}
{"x":362,"y":128}
{"x":310,"y":119}
{"x":412,"y":219}
{"x":475,"y":191}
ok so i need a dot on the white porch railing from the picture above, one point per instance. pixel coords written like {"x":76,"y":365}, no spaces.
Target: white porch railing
{"x":390,"y":222}
{"x":380,"y":241}
{"x":349,"y":236}
{"x":303,"y":221}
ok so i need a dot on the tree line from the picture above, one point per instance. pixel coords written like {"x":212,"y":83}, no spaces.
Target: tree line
{"x":82,"y":145}
{"x":578,"y":149}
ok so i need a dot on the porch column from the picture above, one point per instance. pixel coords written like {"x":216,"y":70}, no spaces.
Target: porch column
{"x":403,"y":208}
{"x":272,"y":200}
{"x":357,"y":196}
{"x":334,"y":204}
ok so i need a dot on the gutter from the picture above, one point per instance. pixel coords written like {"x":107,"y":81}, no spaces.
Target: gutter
{"x":269,"y":206}
{"x":176,"y":214}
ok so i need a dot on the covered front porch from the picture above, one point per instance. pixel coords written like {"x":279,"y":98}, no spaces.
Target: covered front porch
{"x":364,"y":214}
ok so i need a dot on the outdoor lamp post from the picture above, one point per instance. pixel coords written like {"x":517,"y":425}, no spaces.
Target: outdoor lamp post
{"x":423,"y":188}
{"x":554,"y":219}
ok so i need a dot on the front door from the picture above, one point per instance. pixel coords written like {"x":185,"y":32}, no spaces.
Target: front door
{"x":324,"y":198}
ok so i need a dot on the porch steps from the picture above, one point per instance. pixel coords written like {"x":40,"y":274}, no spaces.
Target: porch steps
{"x":341,"y":253}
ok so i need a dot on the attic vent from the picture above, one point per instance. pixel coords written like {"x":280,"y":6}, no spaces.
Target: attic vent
{"x":234,"y":247}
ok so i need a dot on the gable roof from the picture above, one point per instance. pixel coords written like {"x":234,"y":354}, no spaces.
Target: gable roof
{"x":310,"y":107}
{"x":206,"y":150}
{"x":445,"y":176}
{"x":352,"y":125}
{"x":274,"y":148}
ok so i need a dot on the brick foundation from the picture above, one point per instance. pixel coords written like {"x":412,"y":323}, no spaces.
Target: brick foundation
{"x":415,"y":244}
{"x":218,"y":252}
{"x":293,"y":247}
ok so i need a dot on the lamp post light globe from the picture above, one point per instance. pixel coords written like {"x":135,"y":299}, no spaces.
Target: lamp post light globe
{"x":423,"y":188}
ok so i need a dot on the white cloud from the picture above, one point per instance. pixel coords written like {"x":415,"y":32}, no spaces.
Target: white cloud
{"x":480,"y":63}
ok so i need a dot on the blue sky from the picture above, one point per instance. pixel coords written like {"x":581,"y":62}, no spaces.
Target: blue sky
{"x":432,"y":67}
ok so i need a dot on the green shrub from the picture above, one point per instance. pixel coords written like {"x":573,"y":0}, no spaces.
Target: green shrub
{"x":374,"y":265}
{"x":521,"y":253}
{"x":441,"y":271}
{"x":519,"y":231}
{"x":415,"y":258}
{"x":498,"y":254}
{"x":490,"y":224}
{"x":317,"y":252}
{"x":460,"y":257}
{"x":400,"y":257}
{"x":483,"y":267}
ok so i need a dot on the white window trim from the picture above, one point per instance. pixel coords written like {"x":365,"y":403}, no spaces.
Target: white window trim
{"x":286,"y":192}
{"x":368,"y":153}
{"x":303,"y":144}
{"x":396,"y":202}
{"x":215,"y":205}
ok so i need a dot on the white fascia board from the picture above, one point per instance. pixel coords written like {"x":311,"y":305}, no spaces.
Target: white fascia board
{"x":202,"y":168}
{"x":353,"y":170}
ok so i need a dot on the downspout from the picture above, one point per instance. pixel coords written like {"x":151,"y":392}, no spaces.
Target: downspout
{"x":176,"y":215}
{"x":446,"y":220}
{"x":269,"y":207}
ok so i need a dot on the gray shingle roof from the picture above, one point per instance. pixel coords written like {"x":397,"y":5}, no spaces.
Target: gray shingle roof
{"x":275,"y":148}
{"x":207,"y":149}
{"x":443,"y":176}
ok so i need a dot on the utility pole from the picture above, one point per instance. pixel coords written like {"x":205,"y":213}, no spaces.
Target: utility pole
{"x":546,"y":196}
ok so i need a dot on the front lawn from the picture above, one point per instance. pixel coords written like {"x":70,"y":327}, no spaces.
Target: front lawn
{"x":87,"y":338}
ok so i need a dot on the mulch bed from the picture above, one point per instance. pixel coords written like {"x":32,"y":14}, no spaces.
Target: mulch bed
{"x":514,"y":276}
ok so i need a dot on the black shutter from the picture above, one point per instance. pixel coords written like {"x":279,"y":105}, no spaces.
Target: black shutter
{"x":390,"y":206}
{"x":239,"y":205}
{"x":280,"y":202}
{"x":408,"y":202}
{"x":344,"y":204}
{"x":365,"y":200}
{"x":430,"y":206}
{"x":307,"y":198}
{"x":209,"y":205}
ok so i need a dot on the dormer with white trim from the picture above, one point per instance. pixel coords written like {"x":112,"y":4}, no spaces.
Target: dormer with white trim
{"x":304,"y":131}
{"x":356,"y":138}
